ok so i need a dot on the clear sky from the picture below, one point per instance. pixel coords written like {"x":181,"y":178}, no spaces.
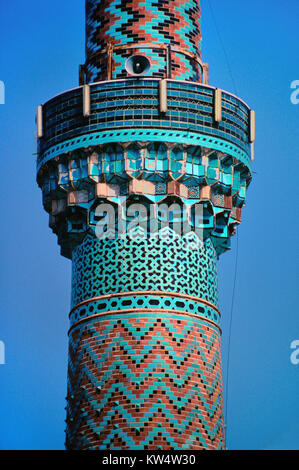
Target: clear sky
{"x":42,"y":44}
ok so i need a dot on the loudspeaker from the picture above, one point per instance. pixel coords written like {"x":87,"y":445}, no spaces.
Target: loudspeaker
{"x":137,"y":65}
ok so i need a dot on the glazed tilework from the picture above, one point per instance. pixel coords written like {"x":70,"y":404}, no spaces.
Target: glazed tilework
{"x":144,"y":367}
{"x":148,"y":22}
{"x":72,"y":182}
{"x":144,"y":381}
{"x":112,"y":266}
{"x":137,"y":300}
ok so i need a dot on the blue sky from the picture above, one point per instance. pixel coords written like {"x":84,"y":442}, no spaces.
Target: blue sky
{"x":42,"y":44}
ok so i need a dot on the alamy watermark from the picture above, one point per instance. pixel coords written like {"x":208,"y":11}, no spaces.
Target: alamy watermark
{"x":295,"y":94}
{"x":147,"y":221}
{"x":295,"y":354}
{"x":2,"y":353}
{"x":2,"y":92}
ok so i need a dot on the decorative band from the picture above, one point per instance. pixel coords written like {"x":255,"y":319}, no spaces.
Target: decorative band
{"x":145,"y":310}
{"x":145,"y":134}
{"x":146,"y":293}
{"x":144,"y":301}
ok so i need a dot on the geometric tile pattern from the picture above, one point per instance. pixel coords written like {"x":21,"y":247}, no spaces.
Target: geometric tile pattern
{"x":144,"y":369}
{"x":144,"y":346}
{"x":135,"y":301}
{"x":144,"y":264}
{"x":148,"y":23}
{"x":144,"y":381}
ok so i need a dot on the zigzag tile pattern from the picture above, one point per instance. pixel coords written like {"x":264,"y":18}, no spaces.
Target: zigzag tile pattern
{"x":143,"y":22}
{"x":145,"y":381}
{"x":144,"y":370}
{"x":144,"y":341}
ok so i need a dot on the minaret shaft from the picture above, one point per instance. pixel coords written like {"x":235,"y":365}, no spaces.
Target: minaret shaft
{"x":144,"y":358}
{"x":144,"y":170}
{"x":168,"y":32}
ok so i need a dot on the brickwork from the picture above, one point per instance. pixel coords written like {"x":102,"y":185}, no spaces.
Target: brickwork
{"x":145,"y":381}
{"x":144,"y":351}
{"x":144,"y":368}
{"x":152,"y":26}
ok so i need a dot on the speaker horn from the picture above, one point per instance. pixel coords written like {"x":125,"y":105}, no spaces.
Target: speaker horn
{"x":137,"y":65}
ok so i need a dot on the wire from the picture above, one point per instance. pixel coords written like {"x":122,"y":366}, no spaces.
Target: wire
{"x":237,"y":247}
{"x":223,"y":48}
{"x":230,"y":330}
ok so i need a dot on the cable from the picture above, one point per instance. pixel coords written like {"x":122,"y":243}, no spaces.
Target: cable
{"x":237,"y":247}
{"x":230,"y":331}
{"x":223,"y":48}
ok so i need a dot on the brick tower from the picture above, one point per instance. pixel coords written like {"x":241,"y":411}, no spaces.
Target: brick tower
{"x":144,"y":130}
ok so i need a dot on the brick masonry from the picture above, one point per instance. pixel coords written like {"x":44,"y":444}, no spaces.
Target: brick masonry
{"x":144,"y":341}
{"x":124,"y":23}
{"x":144,"y":351}
{"x":145,"y":381}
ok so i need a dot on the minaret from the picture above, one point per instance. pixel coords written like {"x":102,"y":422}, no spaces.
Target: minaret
{"x":144,"y":169}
